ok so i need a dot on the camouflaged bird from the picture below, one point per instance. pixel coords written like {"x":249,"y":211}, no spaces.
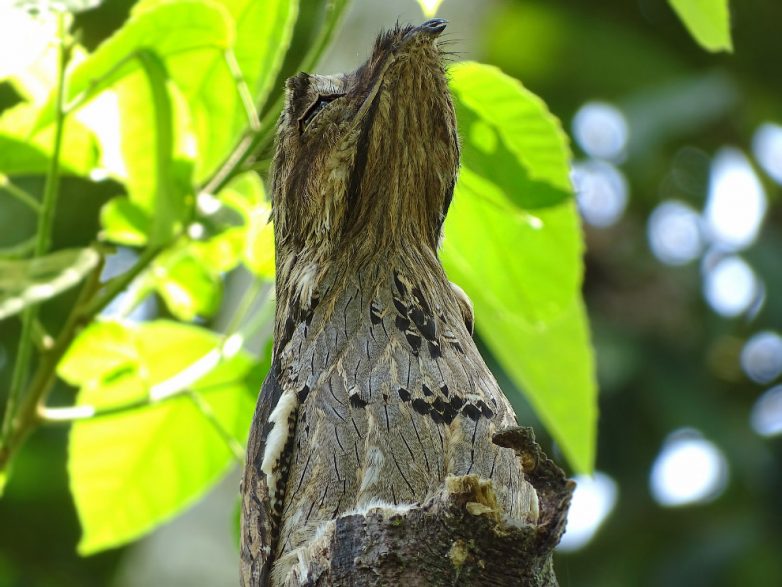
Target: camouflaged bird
{"x":377,"y":391}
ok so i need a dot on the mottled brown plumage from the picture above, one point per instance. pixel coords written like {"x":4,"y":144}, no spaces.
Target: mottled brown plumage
{"x":377,"y":391}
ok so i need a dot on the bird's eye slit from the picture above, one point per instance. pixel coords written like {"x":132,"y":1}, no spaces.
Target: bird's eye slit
{"x":319,"y":104}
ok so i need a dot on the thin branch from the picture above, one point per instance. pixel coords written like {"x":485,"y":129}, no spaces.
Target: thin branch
{"x":42,"y":241}
{"x":119,"y":283}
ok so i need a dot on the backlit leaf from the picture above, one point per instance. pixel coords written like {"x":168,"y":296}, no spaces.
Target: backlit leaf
{"x":135,"y":469}
{"x":708,"y":22}
{"x":513,"y":242}
{"x":261,"y":35}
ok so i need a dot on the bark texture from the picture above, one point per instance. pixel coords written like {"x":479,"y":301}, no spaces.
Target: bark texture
{"x":457,"y":537}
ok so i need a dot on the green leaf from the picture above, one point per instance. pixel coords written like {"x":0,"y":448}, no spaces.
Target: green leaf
{"x":134,"y":469}
{"x":222,"y":252}
{"x":28,"y":282}
{"x":708,"y":22}
{"x":263,"y":32}
{"x":170,"y":29}
{"x":518,"y":254}
{"x":156,"y":183}
{"x":189,"y":287}
{"x":124,"y":222}
{"x":244,"y":194}
{"x":247,"y":196}
{"x":23,"y":152}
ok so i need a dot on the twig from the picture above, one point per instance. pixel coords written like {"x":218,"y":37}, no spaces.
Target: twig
{"x":243,"y":90}
{"x":42,"y":241}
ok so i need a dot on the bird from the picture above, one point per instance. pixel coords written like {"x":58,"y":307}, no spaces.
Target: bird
{"x":377,"y":392}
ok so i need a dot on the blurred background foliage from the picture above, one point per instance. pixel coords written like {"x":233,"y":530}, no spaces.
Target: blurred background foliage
{"x":677,"y":168}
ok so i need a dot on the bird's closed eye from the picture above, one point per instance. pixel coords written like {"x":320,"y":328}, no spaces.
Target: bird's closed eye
{"x":319,"y":104}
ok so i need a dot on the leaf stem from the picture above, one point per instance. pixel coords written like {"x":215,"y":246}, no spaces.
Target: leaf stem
{"x":42,"y":242}
{"x":243,"y":90}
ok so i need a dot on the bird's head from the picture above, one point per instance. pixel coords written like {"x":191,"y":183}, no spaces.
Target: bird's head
{"x":367,"y":160}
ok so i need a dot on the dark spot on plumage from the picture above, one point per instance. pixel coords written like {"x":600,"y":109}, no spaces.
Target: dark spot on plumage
{"x":471,"y":411}
{"x":402,"y":323}
{"x":426,"y":390}
{"x":436,"y":417}
{"x":417,"y":315}
{"x":400,"y":307}
{"x":434,"y":349}
{"x":485,"y":410}
{"x":457,"y":347}
{"x":494,"y":401}
{"x":421,"y":300}
{"x":414,"y":341}
{"x":439,"y":405}
{"x":449,"y":414}
{"x":404,"y":395}
{"x":385,"y":397}
{"x":444,"y":389}
{"x":399,"y":285}
{"x":357,"y":402}
{"x":421,"y":406}
{"x":303,"y":393}
{"x":457,"y":402}
{"x":429,"y":329}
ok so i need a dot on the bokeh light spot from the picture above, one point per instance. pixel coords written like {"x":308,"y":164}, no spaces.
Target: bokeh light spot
{"x":736,"y":203}
{"x":601,"y":130}
{"x":761,"y":357}
{"x":767,"y":148}
{"x":689,"y":469}
{"x":730,"y":286}
{"x":766,"y":417}
{"x":601,"y":192}
{"x":674,"y":233}
{"x":593,"y":500}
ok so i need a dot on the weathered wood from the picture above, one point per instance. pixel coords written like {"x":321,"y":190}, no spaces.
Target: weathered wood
{"x":458,"y":537}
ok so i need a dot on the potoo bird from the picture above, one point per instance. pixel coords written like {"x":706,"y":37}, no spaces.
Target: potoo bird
{"x":377,"y":391}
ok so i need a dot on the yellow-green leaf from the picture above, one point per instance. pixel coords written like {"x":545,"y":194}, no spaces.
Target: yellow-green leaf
{"x":134,"y":469}
{"x":708,"y":22}
{"x":261,"y":35}
{"x":513,"y":242}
